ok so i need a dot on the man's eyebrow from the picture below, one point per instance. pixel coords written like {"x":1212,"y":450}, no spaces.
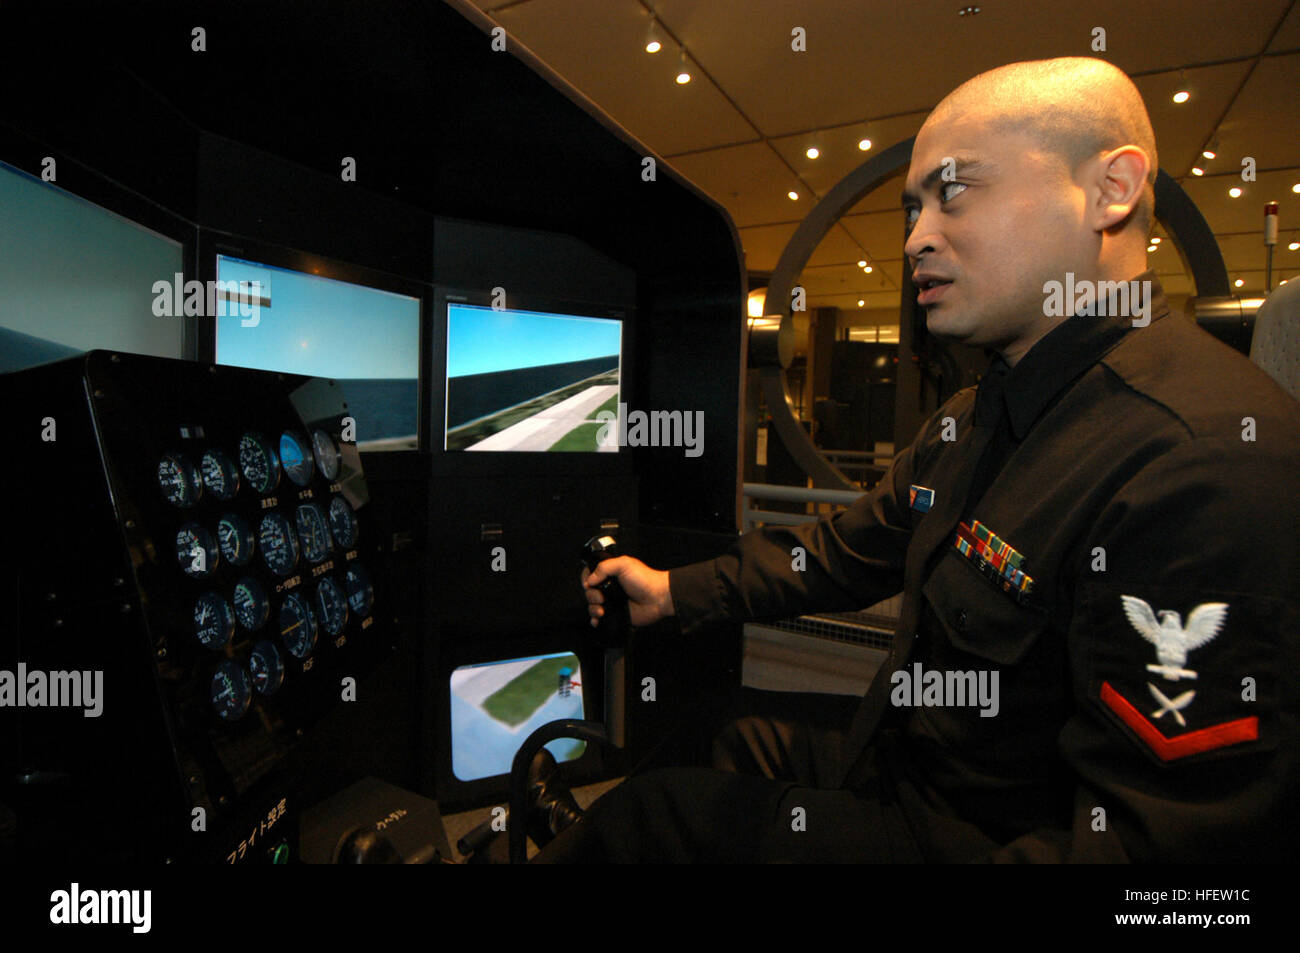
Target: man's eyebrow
{"x":961,"y":166}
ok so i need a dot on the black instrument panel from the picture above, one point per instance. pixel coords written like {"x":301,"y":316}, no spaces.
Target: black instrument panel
{"x":200,"y":535}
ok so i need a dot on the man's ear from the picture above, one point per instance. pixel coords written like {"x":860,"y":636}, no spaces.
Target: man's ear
{"x":1120,"y":177}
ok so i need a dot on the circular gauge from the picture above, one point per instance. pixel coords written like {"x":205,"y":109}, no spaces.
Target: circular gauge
{"x":236,"y":539}
{"x":230,"y":691}
{"x":279,"y":545}
{"x":258,"y":460}
{"x":331,"y":606}
{"x":295,"y":457}
{"x":214,"y":623}
{"x":179,"y":481}
{"x":344,"y":522}
{"x":196,"y":551}
{"x":251,"y":605}
{"x":314,"y":530}
{"x":327,"y":454}
{"x":219,"y":474}
{"x":267,"y":668}
{"x":297,"y":625}
{"x":361,"y":594}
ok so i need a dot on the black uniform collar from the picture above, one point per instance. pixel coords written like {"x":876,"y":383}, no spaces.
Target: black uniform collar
{"x":1055,"y":360}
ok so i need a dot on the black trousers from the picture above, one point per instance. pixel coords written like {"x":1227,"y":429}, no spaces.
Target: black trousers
{"x":767,"y":796}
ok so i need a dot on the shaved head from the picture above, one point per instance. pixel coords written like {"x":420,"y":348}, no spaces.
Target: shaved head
{"x":1075,"y":106}
{"x":1022,"y":176}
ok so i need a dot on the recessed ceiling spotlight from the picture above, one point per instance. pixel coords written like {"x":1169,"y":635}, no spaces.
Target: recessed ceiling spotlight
{"x":861,"y":302}
{"x":794,"y":196}
{"x":968,"y":11}
{"x":1238,"y":283}
{"x":812,"y":152}
{"x":1294,"y":246}
{"x":683,"y":74}
{"x":862,"y":263}
{"x":1157,"y":240}
{"x":864,"y":144}
{"x":1235,"y":192}
{"x":1197,"y":171}
{"x":652,"y":44}
{"x":1182,"y":96}
{"x":1151,"y":248}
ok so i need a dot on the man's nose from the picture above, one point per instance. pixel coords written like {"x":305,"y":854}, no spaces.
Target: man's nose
{"x":922,"y":239}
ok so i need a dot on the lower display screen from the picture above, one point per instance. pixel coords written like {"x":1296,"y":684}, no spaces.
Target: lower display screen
{"x":496,"y":705}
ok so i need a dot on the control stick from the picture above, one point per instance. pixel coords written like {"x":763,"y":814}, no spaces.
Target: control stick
{"x":614,"y":625}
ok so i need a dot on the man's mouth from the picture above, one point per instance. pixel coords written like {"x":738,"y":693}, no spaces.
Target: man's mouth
{"x":930,"y":288}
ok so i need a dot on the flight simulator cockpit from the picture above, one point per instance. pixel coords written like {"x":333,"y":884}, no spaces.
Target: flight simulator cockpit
{"x":309,"y":436}
{"x":337,"y":351}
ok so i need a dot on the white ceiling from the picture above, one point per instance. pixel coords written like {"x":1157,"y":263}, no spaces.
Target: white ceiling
{"x":740,"y":128}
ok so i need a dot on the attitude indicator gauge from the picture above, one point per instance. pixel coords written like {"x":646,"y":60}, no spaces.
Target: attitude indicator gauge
{"x":295,"y":457}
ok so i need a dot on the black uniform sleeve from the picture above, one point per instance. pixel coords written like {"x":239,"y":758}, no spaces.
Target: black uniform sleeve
{"x":1183,"y":641}
{"x":849,"y":560}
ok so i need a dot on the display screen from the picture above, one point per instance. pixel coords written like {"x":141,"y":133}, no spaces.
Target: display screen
{"x":365,"y":338}
{"x":75,"y":277}
{"x":496,"y":705}
{"x":531,"y":380}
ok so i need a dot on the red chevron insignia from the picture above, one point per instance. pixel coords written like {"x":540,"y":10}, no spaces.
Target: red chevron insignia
{"x":1193,"y":742}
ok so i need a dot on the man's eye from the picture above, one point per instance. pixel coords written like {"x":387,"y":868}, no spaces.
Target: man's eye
{"x":945,"y":195}
{"x":910,"y":215}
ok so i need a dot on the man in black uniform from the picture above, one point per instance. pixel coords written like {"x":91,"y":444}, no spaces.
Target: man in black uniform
{"x":1096,"y":548}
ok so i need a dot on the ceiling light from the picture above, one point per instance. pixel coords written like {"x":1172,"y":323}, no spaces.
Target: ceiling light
{"x":1209,"y":153}
{"x":652,"y":44}
{"x":1238,"y":283}
{"x":1235,"y":192}
{"x":813,"y":152}
{"x":1294,"y":246}
{"x":868,"y":269}
{"x":1296,"y":187}
{"x":864,"y":144}
{"x":1196,"y":171}
{"x":1157,"y":240}
{"x":794,"y":196}
{"x":862,"y":263}
{"x":683,"y":75}
{"x":861,"y":302}
{"x":1151,"y":248}
{"x":1182,"y":96}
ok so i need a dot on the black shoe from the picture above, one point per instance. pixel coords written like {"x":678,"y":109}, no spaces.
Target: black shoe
{"x":551,"y":807}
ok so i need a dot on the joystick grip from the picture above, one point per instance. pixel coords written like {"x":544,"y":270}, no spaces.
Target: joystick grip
{"x":614,"y":625}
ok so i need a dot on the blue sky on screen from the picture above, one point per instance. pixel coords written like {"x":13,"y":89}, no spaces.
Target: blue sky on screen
{"x":321,"y":327}
{"x":481,"y":340}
